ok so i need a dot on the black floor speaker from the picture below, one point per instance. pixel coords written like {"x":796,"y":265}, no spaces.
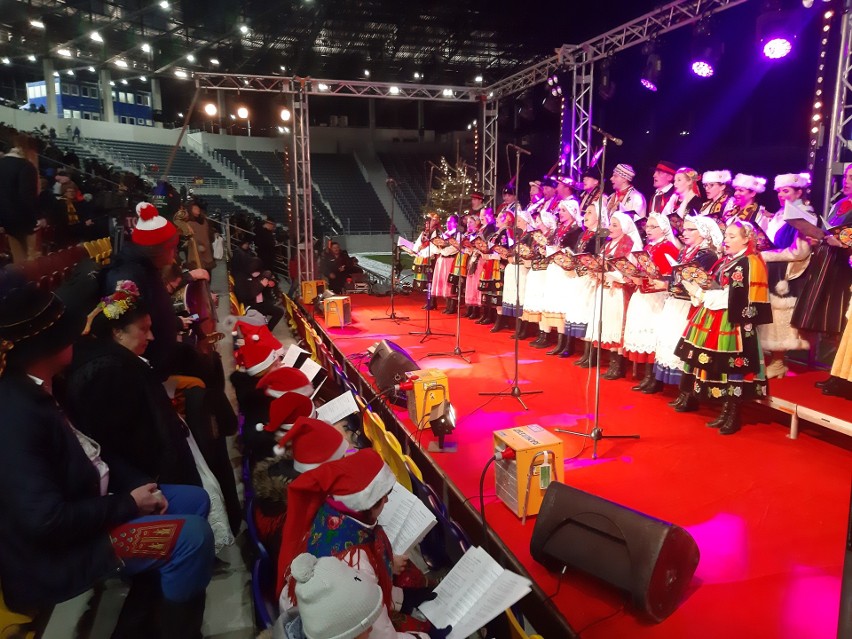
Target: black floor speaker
{"x":653,"y":560}
{"x":389,"y":363}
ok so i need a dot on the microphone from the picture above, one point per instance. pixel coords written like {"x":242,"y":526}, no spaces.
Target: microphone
{"x":519,"y":149}
{"x":608,"y":136}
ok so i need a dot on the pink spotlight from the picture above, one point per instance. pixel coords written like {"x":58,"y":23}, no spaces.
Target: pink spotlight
{"x":777,"y":48}
{"x":702,"y":69}
{"x":648,"y":84}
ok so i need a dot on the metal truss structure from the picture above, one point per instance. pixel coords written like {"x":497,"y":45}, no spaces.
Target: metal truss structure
{"x":839,"y":139}
{"x":301,"y":166}
{"x":488,"y":172}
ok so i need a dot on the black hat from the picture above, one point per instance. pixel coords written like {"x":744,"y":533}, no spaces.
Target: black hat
{"x":34,"y":324}
{"x":508,"y":190}
{"x":548,"y":181}
{"x":592,"y":172}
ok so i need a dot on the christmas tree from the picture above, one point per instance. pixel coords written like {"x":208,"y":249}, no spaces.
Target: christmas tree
{"x":454,"y":186}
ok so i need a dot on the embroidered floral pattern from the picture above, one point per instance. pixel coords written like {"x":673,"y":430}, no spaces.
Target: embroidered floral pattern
{"x":738,"y":362}
{"x":737,"y":277}
{"x":716,"y":393}
{"x":703,"y":358}
{"x":749,"y":311}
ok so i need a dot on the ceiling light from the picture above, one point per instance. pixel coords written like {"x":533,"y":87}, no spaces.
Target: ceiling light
{"x":210,"y":109}
{"x":702,"y":69}
{"x":164,"y":4}
{"x":478,"y":79}
{"x":283,"y":68}
{"x":31,"y":58}
{"x":180,"y":115}
{"x":233,"y":117}
{"x":394,"y":90}
{"x":366,"y":73}
{"x":243,"y":113}
{"x":214,"y":62}
{"x":180,"y":73}
{"x":92,"y":69}
{"x":94,"y":35}
{"x":38,"y":24}
{"x":417,"y":75}
{"x":447,"y":93}
{"x":121,"y":63}
{"x":280,"y":129}
{"x":245,"y":82}
{"x":64,"y":52}
{"x":112,"y":83}
{"x":69,"y":72}
{"x":322,"y":86}
{"x":190,"y":57}
{"x":146,"y":47}
{"x":142,"y":78}
{"x":243,"y":28}
{"x":777,"y":48}
{"x":56,"y":74}
{"x":6,"y":60}
{"x":124,"y":81}
{"x":285,"y":114}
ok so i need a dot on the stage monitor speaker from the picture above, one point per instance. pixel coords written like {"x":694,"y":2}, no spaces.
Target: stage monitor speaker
{"x":389,"y":364}
{"x":653,"y":560}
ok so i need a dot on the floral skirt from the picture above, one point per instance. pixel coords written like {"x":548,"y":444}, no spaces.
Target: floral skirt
{"x":514,"y":288}
{"x":726,"y":359}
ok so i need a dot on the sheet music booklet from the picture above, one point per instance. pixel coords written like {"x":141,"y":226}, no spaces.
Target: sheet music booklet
{"x":338,"y":408}
{"x":474,"y":592}
{"x":404,"y":244}
{"x":405,"y":519}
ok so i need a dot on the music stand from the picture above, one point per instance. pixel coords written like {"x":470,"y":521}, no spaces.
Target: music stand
{"x":596,"y":433}
{"x":515,"y":390}
{"x":394,"y":261}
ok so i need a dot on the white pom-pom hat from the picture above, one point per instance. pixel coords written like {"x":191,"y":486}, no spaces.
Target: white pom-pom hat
{"x":796,"y":180}
{"x":151,"y":227}
{"x":750,"y":182}
{"x":716,"y":177}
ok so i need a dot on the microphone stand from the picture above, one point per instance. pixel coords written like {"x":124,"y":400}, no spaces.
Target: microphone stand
{"x":427,"y":332}
{"x":515,"y":390}
{"x":596,"y":433}
{"x":394,"y":261}
{"x":457,"y":351}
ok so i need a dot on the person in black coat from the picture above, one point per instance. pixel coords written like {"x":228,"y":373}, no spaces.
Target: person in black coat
{"x":67,"y":518}
{"x":109,"y":377}
{"x":19,"y":212}
{"x":264,"y":243}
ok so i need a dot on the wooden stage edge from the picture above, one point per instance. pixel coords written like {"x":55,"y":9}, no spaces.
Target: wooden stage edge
{"x":549,"y":621}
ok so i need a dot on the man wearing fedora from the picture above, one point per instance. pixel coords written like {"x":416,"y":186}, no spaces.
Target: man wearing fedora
{"x":69,"y":517}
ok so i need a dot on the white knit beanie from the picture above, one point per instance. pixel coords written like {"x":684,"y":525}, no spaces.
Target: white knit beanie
{"x":333,"y":601}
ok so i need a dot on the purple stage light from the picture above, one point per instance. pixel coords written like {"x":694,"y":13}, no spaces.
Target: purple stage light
{"x":648,"y":84}
{"x":702,"y":69}
{"x":777,"y":48}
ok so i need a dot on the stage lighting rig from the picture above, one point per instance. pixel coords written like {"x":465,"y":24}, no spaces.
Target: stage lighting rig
{"x":650,"y":78}
{"x":442,"y":421}
{"x":706,"y":51}
{"x":776,"y":31}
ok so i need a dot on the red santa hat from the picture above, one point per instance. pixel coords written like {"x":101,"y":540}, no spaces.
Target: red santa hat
{"x":314,"y":442}
{"x":358,"y":482}
{"x":245,"y":333}
{"x":285,"y":380}
{"x":151,"y":227}
{"x":255,"y":357}
{"x":286,"y":411}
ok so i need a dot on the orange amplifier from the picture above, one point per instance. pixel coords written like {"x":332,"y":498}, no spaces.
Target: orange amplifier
{"x":522,"y":482}
{"x":311,"y":289}
{"x":430,"y":389}
{"x":338,"y":310}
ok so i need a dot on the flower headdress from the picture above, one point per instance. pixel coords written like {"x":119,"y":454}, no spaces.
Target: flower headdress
{"x":125,"y":298}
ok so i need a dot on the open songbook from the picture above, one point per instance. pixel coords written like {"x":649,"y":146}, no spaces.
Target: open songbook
{"x":843,"y":234}
{"x":475,"y":591}
{"x":405,"y":245}
{"x":692,"y":272}
{"x":591,"y":262}
{"x":439,"y":242}
{"x":338,"y":408}
{"x":641,"y":266}
{"x":405,"y":520}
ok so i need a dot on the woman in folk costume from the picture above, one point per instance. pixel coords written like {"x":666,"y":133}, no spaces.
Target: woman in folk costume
{"x":685,"y":201}
{"x":839,"y":383}
{"x":441,"y":285}
{"x":559,"y":283}
{"x":492,"y":283}
{"x":537,"y":294}
{"x":702,"y":242}
{"x":717,"y":185}
{"x":469,"y":226}
{"x":744,"y":205}
{"x":425,"y":254}
{"x":515,"y":276}
{"x":623,"y":239}
{"x":333,"y":511}
{"x":720,"y":347}
{"x":828,"y":281}
{"x":472,"y":295}
{"x":642,"y":321}
{"x":577,"y":316}
{"x":786,"y":264}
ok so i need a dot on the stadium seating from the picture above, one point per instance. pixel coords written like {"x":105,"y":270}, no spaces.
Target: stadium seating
{"x":251,"y":174}
{"x":411,"y":175}
{"x":352,"y":198}
{"x":269,"y":165}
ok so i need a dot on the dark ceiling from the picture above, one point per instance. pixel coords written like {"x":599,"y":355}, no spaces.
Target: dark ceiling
{"x":444,"y":41}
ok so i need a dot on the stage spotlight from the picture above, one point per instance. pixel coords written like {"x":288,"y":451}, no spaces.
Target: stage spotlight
{"x":702,"y":68}
{"x":5,"y":60}
{"x":525,"y":106}
{"x":91,"y":69}
{"x":653,"y":66}
{"x":606,"y":85}
{"x":121,"y":63}
{"x":242,"y":112}
{"x":211,"y":109}
{"x":243,"y":29}
{"x":190,"y":58}
{"x":146,"y":47}
{"x":180,"y":73}
{"x":214,"y":62}
{"x":285,"y":114}
{"x":143,"y":78}
{"x":706,"y":51}
{"x":478,"y":79}
{"x":776,"y":30}
{"x":393,"y":90}
{"x":124,"y":81}
{"x":447,"y":93}
{"x":442,"y":421}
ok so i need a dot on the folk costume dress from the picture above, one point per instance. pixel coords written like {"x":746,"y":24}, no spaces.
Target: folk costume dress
{"x":720,"y":346}
{"x":629,"y":201}
{"x":678,"y":208}
{"x":441,"y":285}
{"x":472,"y":294}
{"x":642,"y":322}
{"x":536,"y":297}
{"x":560,"y":284}
{"x":424,"y":260}
{"x":616,"y":292}
{"x":515,"y":281}
{"x":491,"y":281}
{"x":581,"y":304}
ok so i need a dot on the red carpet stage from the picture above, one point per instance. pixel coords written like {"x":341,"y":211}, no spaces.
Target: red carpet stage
{"x":768,"y":513}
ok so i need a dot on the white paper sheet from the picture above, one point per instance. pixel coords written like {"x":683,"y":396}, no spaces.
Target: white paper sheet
{"x":338,"y":408}
{"x":292,"y":355}
{"x":310,"y":368}
{"x":405,"y":520}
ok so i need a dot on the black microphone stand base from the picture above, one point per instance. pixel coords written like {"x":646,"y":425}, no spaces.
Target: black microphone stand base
{"x":456,"y":352}
{"x":515,"y":392}
{"x":392,"y":317}
{"x":596,"y":435}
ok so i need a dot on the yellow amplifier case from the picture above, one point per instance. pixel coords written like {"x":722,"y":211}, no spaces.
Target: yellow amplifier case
{"x":430,"y":389}
{"x":338,"y":310}
{"x":511,"y":475}
{"x":311,"y":289}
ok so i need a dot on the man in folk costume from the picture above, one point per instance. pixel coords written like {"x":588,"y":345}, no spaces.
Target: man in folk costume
{"x":441,"y":285}
{"x":333,"y":511}
{"x":664,"y":174}
{"x":717,"y":185}
{"x":592,"y":194}
{"x":625,"y":199}
{"x":537,"y":294}
{"x":744,"y":205}
{"x":425,"y":255}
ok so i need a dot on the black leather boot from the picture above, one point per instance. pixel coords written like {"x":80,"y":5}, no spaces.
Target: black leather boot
{"x":546,"y":340}
{"x":476,"y":314}
{"x":722,"y":417}
{"x":684,"y":388}
{"x":520,"y":328}
{"x":647,"y":379}
{"x":560,"y":344}
{"x":583,"y":362}
{"x":430,"y":304}
{"x":616,"y":366}
{"x":540,"y":341}
{"x":452,"y":305}
{"x":732,"y":421}
{"x":568,"y":350}
{"x":654,"y":386}
{"x":492,"y":316}
{"x":689,"y":405}
{"x":499,"y":324}
{"x":469,"y":311}
{"x":486,"y":315}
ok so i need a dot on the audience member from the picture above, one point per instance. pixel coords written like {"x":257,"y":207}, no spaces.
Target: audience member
{"x":19,"y":211}
{"x":336,"y":265}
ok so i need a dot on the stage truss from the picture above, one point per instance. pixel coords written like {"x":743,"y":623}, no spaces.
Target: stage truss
{"x":839,"y":142}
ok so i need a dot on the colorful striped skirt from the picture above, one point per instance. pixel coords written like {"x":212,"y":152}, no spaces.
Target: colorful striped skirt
{"x":422,"y":271}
